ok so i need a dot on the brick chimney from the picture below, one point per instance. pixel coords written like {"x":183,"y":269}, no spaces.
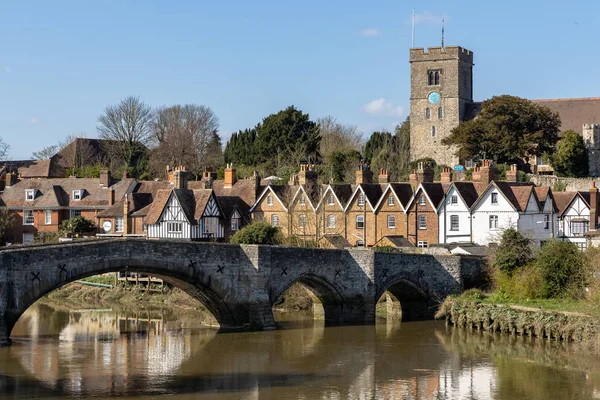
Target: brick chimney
{"x":384,"y":176}
{"x":593,"y":206}
{"x":180,"y":178}
{"x":511,"y":175}
{"x":307,"y":175}
{"x":476,"y":177}
{"x":230,"y":177}
{"x":125,"y":174}
{"x":413,"y":179}
{"x":487,"y":173}
{"x":208,"y":177}
{"x":424,"y":173}
{"x":105,"y":178}
{"x":363,"y":174}
{"x":169,"y":175}
{"x":446,"y":175}
{"x":126,"y":215}
{"x":11,"y":179}
{"x":256,"y":177}
{"x":111,"y":196}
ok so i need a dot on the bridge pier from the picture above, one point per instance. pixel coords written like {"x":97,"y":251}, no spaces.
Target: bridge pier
{"x":5,"y":329}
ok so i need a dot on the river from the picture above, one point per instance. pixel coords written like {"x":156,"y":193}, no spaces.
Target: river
{"x":135,"y":354}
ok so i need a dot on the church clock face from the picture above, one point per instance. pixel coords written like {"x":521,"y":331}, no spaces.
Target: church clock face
{"x":434,"y":98}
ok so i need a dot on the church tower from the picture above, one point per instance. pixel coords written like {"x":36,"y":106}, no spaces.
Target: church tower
{"x":441,"y":87}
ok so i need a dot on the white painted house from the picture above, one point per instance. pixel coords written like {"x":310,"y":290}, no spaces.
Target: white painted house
{"x":454,"y":213}
{"x":574,"y":216}
{"x":185,"y":214}
{"x":506,"y":205}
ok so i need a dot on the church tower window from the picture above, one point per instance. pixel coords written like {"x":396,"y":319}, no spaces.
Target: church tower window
{"x":433,"y":131}
{"x":428,"y":113}
{"x":433,"y":78}
{"x":440,"y":113}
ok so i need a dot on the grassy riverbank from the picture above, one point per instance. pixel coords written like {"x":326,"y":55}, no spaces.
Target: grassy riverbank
{"x":566,"y":320}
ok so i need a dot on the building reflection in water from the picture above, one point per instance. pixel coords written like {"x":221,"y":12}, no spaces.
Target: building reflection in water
{"x":114,"y":352}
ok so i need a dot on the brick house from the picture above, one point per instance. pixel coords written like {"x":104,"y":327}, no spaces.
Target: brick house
{"x":41,"y":205}
{"x":331,"y":210}
{"x":390,"y":211}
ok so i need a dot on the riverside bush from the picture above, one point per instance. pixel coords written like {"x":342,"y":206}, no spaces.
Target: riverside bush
{"x":524,"y":283}
{"x":562,"y":266}
{"x":513,"y":252}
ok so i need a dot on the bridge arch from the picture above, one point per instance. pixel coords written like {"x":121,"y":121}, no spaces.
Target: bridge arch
{"x":330,"y":298}
{"x":409,"y":299}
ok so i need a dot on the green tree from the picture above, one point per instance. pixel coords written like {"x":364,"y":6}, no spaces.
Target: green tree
{"x":390,"y":152}
{"x":77,"y":225}
{"x":571,"y":156}
{"x":563,"y":269}
{"x":507,"y":129}
{"x":513,"y":252}
{"x":257,"y":233}
{"x":376,"y":143}
{"x":342,"y":165}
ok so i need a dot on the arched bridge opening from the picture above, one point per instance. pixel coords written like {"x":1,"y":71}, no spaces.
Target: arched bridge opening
{"x":406,"y":301}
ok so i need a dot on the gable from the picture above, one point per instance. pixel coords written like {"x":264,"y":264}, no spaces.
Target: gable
{"x":353,"y":203}
{"x":325,"y":199}
{"x":383,"y":203}
{"x":262,"y":201}
{"x":532,"y":204}
{"x":485,"y":201}
{"x":212,"y":208}
{"x":447,"y":205}
{"x":415,"y":202}
{"x":173,"y":211}
{"x":236,"y":215}
{"x":577,"y":207}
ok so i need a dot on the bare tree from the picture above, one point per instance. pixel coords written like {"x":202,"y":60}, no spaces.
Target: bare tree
{"x":186,"y":135}
{"x":45,"y":153}
{"x":75,"y":151}
{"x":128,"y":127}
{"x":336,"y":136}
{"x":4,"y":147}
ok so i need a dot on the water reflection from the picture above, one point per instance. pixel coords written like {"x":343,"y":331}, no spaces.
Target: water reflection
{"x":134,"y":354}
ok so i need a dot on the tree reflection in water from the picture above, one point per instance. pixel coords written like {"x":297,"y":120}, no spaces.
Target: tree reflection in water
{"x":126,"y":353}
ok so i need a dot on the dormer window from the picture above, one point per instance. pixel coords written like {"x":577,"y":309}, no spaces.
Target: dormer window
{"x":269,"y":200}
{"x":29,"y":194}
{"x":77,"y":195}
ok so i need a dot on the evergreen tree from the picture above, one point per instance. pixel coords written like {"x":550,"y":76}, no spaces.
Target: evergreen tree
{"x":571,"y":156}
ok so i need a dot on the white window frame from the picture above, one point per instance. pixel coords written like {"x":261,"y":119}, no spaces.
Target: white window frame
{"x":361,"y":200}
{"x":302,"y":201}
{"x":423,"y":244}
{"x":74,"y":212}
{"x":331,"y":200}
{"x":28,"y":217}
{"x":493,"y":222}
{"x":302,"y":221}
{"x":269,"y":200}
{"x":494,"y":198}
{"x":391,"y":201}
{"x":31,"y":235}
{"x":360,"y":222}
{"x":29,"y":194}
{"x":77,"y":194}
{"x":209,"y":225}
{"x":454,"y":199}
{"x":48,"y":217}
{"x":391,"y":221}
{"x":331,"y":221}
{"x":422,"y":222}
{"x":120,"y":224}
{"x":454,"y":223}
{"x":422,"y":200}
{"x":360,"y":243}
{"x":585,"y":226}
{"x":235,"y":224}
{"x":172,"y":226}
{"x":275,"y":220}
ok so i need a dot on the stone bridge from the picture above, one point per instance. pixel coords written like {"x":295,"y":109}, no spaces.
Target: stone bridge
{"x":240,"y":283}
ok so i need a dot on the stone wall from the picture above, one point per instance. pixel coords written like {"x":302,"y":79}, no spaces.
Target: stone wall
{"x":573,"y":184}
{"x":239,"y":283}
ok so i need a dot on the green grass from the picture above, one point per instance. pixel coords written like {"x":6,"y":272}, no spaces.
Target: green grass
{"x":107,"y":279}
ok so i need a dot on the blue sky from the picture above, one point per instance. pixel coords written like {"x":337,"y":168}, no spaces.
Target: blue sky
{"x":62,"y":62}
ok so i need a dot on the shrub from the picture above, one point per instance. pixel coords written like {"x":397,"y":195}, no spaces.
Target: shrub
{"x":46,"y":237}
{"x":473,"y":294}
{"x":513,"y":252}
{"x":563,"y":269}
{"x":77,"y":225}
{"x":525,"y":283}
{"x":257,"y":233}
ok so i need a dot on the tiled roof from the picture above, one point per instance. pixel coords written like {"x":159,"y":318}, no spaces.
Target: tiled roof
{"x":57,"y":192}
{"x":201,"y":198}
{"x":573,"y":112}
{"x":516,"y":193}
{"x":468,"y":192}
{"x":343,"y":192}
{"x":435,"y":191}
{"x":230,"y":203}
{"x":337,"y":241}
{"x":136,"y":202}
{"x":245,"y":189}
{"x":396,"y":241}
{"x":373,"y":191}
{"x":157,"y":206}
{"x":562,"y":200}
{"x":404,"y":191}
{"x":542,"y":194}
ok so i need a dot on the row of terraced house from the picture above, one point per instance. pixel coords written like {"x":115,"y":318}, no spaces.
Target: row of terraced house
{"x":418,"y":213}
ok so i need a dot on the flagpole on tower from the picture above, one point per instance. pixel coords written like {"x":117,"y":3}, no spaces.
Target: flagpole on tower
{"x":442,"y":33}
{"x":413,"y":29}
